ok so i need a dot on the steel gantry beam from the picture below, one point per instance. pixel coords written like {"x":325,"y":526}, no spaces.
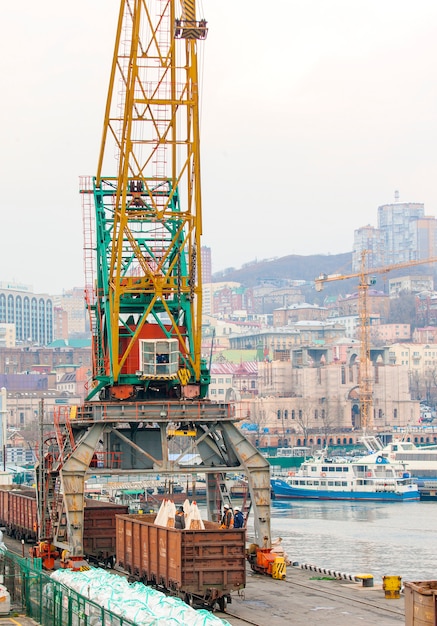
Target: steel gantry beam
{"x":142,"y":448}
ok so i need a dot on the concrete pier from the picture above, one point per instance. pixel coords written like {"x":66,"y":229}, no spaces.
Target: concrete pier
{"x":305,"y":598}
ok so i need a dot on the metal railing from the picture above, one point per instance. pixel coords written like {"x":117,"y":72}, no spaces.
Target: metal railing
{"x":47,"y":601}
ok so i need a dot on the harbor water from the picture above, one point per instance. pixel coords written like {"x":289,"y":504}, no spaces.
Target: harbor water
{"x":383,"y":539}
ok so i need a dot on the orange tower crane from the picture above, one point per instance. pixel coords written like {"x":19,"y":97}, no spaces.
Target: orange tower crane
{"x":366,"y":280}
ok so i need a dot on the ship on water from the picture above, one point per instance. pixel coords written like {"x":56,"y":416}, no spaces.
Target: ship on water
{"x":288,"y":458}
{"x":371,"y":477}
{"x":419,"y":461}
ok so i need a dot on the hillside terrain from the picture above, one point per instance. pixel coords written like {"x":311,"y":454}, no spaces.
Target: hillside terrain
{"x":292,"y":267}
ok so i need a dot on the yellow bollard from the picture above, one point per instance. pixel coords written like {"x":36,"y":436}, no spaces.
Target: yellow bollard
{"x":279,"y":568}
{"x":366,"y":579}
{"x":392,"y":587}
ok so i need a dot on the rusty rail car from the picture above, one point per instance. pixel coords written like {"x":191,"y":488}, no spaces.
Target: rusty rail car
{"x":18,"y":515}
{"x":202,"y":567}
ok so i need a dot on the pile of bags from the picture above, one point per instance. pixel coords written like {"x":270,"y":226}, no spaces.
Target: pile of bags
{"x":167,"y":513}
{"x":142,"y":605}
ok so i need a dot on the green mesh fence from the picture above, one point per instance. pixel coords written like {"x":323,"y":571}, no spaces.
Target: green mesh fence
{"x":48,"y":602}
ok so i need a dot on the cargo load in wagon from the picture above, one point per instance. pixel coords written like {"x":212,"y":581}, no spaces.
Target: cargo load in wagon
{"x":196,"y":565}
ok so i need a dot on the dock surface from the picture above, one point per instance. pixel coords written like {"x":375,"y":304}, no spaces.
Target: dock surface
{"x":307,"y":599}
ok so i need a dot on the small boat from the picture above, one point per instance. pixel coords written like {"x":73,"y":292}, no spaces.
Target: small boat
{"x":371,"y":477}
{"x":288,"y":458}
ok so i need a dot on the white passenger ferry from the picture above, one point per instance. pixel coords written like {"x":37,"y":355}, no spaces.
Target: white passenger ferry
{"x":371,"y":477}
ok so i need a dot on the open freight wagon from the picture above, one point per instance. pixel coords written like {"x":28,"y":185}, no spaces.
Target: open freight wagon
{"x":18,"y":515}
{"x":199,"y":566}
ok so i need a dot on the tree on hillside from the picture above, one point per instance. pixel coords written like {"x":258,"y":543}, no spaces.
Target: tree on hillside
{"x":403,"y":309}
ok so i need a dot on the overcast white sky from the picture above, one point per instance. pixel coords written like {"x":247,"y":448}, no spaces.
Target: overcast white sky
{"x":313,"y":113}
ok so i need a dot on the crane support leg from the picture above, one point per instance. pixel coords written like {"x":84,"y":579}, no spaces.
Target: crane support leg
{"x":257,"y":469}
{"x":72,"y":475}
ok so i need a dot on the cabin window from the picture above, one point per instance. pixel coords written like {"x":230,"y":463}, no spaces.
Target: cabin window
{"x":159,"y":357}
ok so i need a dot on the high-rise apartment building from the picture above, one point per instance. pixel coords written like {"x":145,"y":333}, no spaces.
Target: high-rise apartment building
{"x":371,"y":239}
{"x":207,"y":290}
{"x":398,"y":223}
{"x":404,"y":233}
{"x":206,"y":258}
{"x":73,"y":302}
{"x":32,"y":314}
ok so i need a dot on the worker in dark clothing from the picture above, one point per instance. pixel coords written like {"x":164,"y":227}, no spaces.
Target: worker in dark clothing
{"x":227,"y":518}
{"x":238,"y":518}
{"x":179,"y":520}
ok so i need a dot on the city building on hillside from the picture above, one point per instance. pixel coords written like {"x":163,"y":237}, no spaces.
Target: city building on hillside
{"x":217,"y":332}
{"x":265,"y":298}
{"x":32,"y":314}
{"x":369,"y":239}
{"x":428,"y":334}
{"x":399,"y":224}
{"x":73,"y":302}
{"x":297,"y":313}
{"x":276,"y":343}
{"x":230,"y":381}
{"x":297,"y":405}
{"x":206,"y":260}
{"x":386,"y":334}
{"x":411,"y":284}
{"x":23,"y":407}
{"x":7,"y":335}
{"x":45,"y":360}
{"x":340,"y":352}
{"x":426,"y":308}
{"x":60,"y":324}
{"x":377,"y":302}
{"x":417,"y":357}
{"x":227,"y":300}
{"x":207,"y":298}
{"x":351,"y":323}
{"x":209,"y":290}
{"x":404,"y":234}
{"x":73,"y":382}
